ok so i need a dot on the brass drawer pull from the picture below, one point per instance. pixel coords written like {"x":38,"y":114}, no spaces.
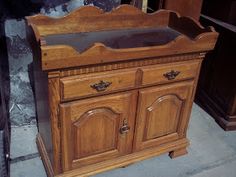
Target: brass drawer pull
{"x":171,"y":75}
{"x":125,"y":128}
{"x":101,"y":86}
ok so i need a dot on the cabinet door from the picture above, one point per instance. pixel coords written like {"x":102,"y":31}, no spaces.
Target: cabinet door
{"x":97,"y":129}
{"x":162,"y":115}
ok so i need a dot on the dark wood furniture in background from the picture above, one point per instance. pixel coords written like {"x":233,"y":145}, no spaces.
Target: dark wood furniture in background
{"x":4,"y":129}
{"x":217,"y":86}
{"x":111,"y":94}
{"x":221,"y":10}
{"x":191,"y":8}
{"x":4,"y":133}
{"x":4,"y":95}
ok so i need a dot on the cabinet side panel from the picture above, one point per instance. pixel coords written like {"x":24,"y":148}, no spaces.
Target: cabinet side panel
{"x":54,"y":99}
{"x":42,"y":107}
{"x":193,"y":93}
{"x":40,"y":87}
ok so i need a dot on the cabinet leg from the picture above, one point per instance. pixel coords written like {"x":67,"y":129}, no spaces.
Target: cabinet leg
{"x":178,"y":152}
{"x":127,"y":165}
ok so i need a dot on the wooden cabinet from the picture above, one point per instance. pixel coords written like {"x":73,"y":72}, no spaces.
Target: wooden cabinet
{"x":111,"y":94}
{"x":216,"y":92}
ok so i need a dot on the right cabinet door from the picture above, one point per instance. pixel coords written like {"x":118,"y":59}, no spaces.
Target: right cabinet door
{"x":163,"y":114}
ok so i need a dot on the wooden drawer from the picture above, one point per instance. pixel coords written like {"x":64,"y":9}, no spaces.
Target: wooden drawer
{"x":169,"y":72}
{"x":97,"y":83}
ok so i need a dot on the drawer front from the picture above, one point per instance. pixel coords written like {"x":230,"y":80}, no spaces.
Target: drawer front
{"x":169,"y":72}
{"x":93,"y":84}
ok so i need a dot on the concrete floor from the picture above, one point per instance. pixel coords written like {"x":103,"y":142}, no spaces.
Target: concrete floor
{"x":212,"y":153}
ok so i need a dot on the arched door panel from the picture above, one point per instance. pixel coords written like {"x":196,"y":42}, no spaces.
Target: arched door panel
{"x":162,"y":114}
{"x":90,"y":129}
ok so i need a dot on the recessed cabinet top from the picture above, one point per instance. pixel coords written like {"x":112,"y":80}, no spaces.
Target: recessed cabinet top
{"x":91,"y":36}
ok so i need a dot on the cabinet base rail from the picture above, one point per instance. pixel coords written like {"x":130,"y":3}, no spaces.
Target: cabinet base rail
{"x":175,"y":149}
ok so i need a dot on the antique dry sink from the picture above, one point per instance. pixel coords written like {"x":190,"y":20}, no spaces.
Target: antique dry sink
{"x":114,"y":88}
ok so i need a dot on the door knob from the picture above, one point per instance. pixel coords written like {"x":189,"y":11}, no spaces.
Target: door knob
{"x":125,"y":128}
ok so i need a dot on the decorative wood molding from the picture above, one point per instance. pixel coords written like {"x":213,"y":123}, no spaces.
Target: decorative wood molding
{"x":195,"y":29}
{"x":124,"y":16}
{"x":129,"y":64}
{"x":61,"y":56}
{"x":126,"y":160}
{"x":53,"y":74}
{"x":91,"y":18}
{"x":193,"y":38}
{"x":111,"y":164}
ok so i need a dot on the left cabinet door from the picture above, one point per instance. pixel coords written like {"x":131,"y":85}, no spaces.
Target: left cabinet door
{"x":97,"y":129}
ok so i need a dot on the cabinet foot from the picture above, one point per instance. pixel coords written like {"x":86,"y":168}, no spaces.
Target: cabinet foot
{"x":178,"y":152}
{"x":127,"y":165}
